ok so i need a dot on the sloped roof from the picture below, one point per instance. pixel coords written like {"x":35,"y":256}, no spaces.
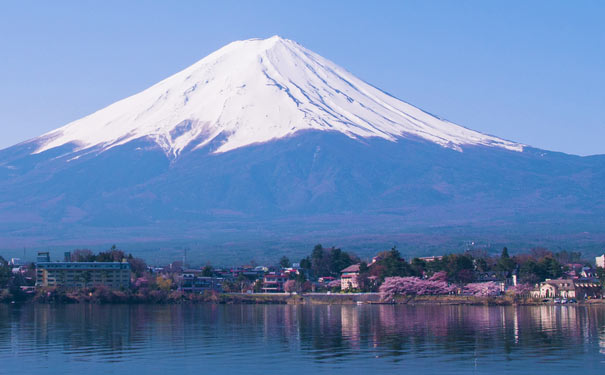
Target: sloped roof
{"x":564,"y":284}
{"x":351,"y":268}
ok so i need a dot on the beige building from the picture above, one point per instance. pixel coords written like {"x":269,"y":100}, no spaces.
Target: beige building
{"x":568,"y":288}
{"x":115,"y":275}
{"x":349,"y":277}
{"x":600,"y":261}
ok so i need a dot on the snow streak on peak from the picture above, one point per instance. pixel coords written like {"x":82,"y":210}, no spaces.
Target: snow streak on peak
{"x":255,"y":91}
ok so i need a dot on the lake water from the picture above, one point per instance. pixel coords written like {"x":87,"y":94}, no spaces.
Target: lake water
{"x":320,"y":339}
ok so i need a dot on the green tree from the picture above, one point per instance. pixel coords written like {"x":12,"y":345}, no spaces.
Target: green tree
{"x":363,"y":280}
{"x":82,"y":255}
{"x":505,"y":263}
{"x":284,"y":262}
{"x":328,"y":262}
{"x":481,"y":265}
{"x":418,"y":266}
{"x":551,"y":267}
{"x":459,"y":267}
{"x":305,"y":263}
{"x":137,"y":266}
{"x":242,"y":282}
{"x":258,"y":286}
{"x":390,"y":263}
{"x":5,"y":273}
{"x":530,"y":273}
{"x":207,"y":271}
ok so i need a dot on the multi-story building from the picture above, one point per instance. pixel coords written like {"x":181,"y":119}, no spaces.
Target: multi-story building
{"x":274,"y":283}
{"x":568,"y":288}
{"x":349,"y":277}
{"x":113,"y":275}
{"x":193,"y":281}
{"x":600,"y":261}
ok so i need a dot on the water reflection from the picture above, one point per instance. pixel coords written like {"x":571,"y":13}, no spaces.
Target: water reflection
{"x":329,"y":338}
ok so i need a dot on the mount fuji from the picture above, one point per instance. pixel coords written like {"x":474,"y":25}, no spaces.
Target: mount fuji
{"x":264,"y":140}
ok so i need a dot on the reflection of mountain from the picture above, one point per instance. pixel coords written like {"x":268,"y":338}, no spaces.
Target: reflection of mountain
{"x":249,"y":337}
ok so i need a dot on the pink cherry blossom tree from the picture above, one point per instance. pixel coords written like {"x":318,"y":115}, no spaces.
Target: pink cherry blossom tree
{"x":413,"y":286}
{"x":334,"y":284}
{"x":520,"y":290}
{"x":290,"y":286}
{"x":486,"y":289}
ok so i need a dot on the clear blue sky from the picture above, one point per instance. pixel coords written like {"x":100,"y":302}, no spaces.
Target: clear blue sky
{"x":529,"y":71}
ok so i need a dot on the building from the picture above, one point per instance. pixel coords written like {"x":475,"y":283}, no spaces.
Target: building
{"x":568,"y":288}
{"x":349,"y":277}
{"x":15,"y":262}
{"x":247,"y":271}
{"x":588,"y":273}
{"x":326,"y":279}
{"x":115,"y":275}
{"x":600,"y":261}
{"x":193,"y":281}
{"x":274,"y":283}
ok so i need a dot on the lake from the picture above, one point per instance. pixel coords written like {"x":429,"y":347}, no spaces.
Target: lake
{"x":304,"y":339}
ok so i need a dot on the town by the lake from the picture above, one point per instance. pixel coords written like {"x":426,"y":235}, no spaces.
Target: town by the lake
{"x":302,"y":187}
{"x":326,"y":275}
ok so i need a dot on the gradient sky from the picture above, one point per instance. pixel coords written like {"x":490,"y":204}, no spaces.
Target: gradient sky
{"x":528,"y":71}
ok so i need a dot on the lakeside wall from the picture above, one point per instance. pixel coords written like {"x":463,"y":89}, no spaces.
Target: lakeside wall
{"x":104,"y":296}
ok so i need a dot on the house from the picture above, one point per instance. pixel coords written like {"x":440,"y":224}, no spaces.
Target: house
{"x":250,"y":272}
{"x":274,"y":283}
{"x":588,"y":288}
{"x":568,"y":288}
{"x":192,"y":281}
{"x":560,"y":288}
{"x":326,"y":279}
{"x":588,"y":273}
{"x":349,"y":277}
{"x":431,"y":258}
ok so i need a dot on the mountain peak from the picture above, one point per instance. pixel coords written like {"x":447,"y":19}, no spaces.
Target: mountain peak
{"x":255,"y":91}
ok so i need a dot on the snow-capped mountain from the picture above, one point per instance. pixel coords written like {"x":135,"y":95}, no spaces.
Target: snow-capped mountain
{"x":255,"y":91}
{"x":264,"y":144}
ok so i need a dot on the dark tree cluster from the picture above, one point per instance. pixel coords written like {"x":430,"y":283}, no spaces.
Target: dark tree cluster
{"x":5,"y":273}
{"x":137,"y":265}
{"x":327,"y":262}
{"x":389,"y":264}
{"x":538,"y":265}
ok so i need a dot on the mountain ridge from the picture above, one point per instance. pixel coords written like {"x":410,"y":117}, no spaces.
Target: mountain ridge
{"x":255,"y":91}
{"x":177,"y":176}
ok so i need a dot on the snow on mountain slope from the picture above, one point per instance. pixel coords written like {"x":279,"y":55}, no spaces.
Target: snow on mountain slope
{"x":254,"y":91}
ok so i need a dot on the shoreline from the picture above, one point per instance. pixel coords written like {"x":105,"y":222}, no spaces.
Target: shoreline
{"x":284,"y":299}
